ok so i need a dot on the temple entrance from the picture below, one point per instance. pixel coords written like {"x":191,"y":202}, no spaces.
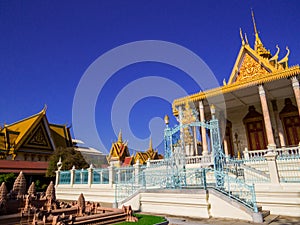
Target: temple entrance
{"x":255,"y":130}
{"x":175,"y":157}
{"x":291,"y":123}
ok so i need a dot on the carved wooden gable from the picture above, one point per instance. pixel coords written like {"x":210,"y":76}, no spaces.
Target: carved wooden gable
{"x":38,"y":138}
{"x":250,"y":69}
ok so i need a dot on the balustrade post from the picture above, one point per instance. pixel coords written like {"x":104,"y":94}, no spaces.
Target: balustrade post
{"x":246,"y":154}
{"x":90,"y":175}
{"x":101,"y":177}
{"x":272,"y":165}
{"x":111,"y":170}
{"x":137,"y":168}
{"x":148,"y":162}
{"x":72,"y":176}
{"x":119,"y":176}
{"x":57,"y":176}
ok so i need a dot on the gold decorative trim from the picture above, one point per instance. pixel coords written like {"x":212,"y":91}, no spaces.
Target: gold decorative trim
{"x":291,"y":71}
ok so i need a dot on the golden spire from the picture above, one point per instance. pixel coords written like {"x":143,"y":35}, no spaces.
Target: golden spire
{"x":120,"y":137}
{"x":258,"y":45}
{"x":150,"y":143}
{"x":166,"y":119}
{"x":254,"y":24}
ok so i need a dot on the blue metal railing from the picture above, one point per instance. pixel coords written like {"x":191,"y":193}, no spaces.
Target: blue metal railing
{"x":64,"y":177}
{"x":123,"y":174}
{"x":81,"y":177}
{"x":100,"y":176}
{"x":201,"y":178}
{"x":289,"y":168}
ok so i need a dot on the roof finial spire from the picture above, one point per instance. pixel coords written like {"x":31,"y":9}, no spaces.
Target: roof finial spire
{"x":120,"y":136}
{"x":242,"y":38}
{"x":254,"y":24}
{"x":258,"y":45}
{"x":246,"y":39}
{"x":150,"y":143}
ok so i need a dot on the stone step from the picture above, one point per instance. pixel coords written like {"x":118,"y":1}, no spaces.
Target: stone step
{"x":265,"y":213}
{"x":270,"y":218}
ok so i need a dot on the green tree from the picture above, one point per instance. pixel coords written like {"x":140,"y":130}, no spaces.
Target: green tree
{"x":69,"y":157}
{"x":9,"y":179}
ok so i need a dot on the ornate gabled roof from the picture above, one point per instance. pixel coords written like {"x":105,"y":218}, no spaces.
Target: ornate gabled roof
{"x":33,"y":134}
{"x":142,"y":157}
{"x":61,"y":135}
{"x":253,"y":66}
{"x":119,"y":150}
{"x":249,"y":65}
{"x":23,"y":127}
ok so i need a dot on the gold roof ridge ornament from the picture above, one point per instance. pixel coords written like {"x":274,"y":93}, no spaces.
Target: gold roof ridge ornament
{"x":258,"y":45}
{"x":275,"y":57}
{"x":150,"y":143}
{"x":246,"y":39}
{"x":285,"y":59}
{"x":120,"y":140}
{"x":241,"y":35}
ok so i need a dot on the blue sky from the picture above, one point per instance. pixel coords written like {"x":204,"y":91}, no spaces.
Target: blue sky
{"x":46,"y":47}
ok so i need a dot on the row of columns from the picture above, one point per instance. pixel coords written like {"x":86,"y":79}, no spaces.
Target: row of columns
{"x":266,"y":114}
{"x":266,"y":117}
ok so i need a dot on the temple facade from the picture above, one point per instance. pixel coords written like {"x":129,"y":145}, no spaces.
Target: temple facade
{"x":258,"y":106}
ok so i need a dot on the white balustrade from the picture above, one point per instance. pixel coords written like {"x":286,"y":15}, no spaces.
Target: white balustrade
{"x":285,"y":151}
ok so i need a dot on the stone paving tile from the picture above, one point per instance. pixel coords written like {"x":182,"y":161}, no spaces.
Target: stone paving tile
{"x":284,"y":220}
{"x":281,"y":220}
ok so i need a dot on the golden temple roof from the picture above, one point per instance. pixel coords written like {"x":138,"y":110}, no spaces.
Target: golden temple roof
{"x":22,"y":128}
{"x":252,"y":67}
{"x":33,"y":133}
{"x":119,"y":150}
{"x":151,"y":154}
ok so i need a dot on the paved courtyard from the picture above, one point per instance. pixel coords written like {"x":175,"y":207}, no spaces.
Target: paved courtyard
{"x":273,"y":220}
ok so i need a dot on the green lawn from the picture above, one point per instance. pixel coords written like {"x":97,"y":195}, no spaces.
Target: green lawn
{"x":144,"y":220}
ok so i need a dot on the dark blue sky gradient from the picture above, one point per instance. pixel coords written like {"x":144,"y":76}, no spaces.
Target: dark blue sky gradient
{"x":46,"y":46}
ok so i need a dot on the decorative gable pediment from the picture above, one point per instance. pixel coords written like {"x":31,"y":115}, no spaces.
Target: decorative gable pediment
{"x":249,"y":66}
{"x":250,"y":69}
{"x":38,"y":138}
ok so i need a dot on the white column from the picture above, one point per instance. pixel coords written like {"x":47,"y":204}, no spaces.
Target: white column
{"x":137,"y":168}
{"x":57,"y":172}
{"x":203,"y":129}
{"x":72,"y":176}
{"x":267,"y":120}
{"x":90,"y":175}
{"x":111,"y":174}
{"x":295,"y":84}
